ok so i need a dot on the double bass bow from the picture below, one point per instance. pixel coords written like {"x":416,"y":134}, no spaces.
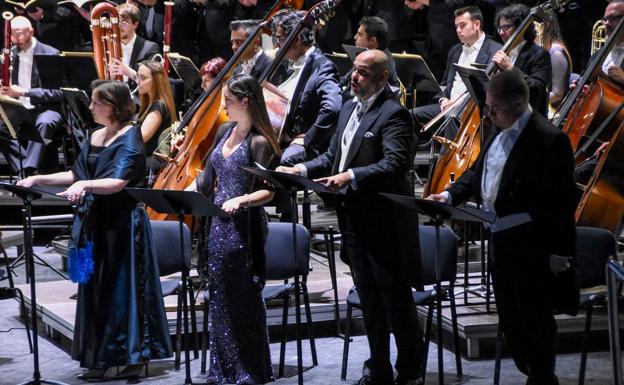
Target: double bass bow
{"x":465,"y":147}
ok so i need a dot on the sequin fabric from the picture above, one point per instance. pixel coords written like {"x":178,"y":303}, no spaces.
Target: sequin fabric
{"x":239,"y":347}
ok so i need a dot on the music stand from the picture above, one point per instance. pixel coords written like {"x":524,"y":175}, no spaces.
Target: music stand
{"x":615,"y":277}
{"x":181,"y":203}
{"x":415,"y":74}
{"x":185,"y":68}
{"x":341,"y":60}
{"x":439,"y":212}
{"x":28,"y":195}
{"x":68,"y":69}
{"x":294,"y":183}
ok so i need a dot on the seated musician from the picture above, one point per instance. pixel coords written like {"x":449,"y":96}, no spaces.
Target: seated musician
{"x":531,"y":60}
{"x":26,"y":86}
{"x":475,"y":47}
{"x":256,"y":62}
{"x":612,"y":67}
{"x":134,"y":49}
{"x":313,"y":89}
{"x":372,"y":34}
{"x":157,"y":110}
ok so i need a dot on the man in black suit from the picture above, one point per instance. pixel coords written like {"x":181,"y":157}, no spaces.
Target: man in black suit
{"x":26,"y":86}
{"x":370,"y":153}
{"x":313,"y":89}
{"x":134,"y":49}
{"x":525,"y":172}
{"x":531,"y":60}
{"x":256,"y":62}
{"x":475,"y":47}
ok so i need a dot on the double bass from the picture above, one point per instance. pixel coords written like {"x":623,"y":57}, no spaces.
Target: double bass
{"x":464,"y":149}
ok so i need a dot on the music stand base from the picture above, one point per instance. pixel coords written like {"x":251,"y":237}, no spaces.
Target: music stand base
{"x":37,"y":382}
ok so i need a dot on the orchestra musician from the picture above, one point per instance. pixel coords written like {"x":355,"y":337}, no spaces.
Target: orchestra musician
{"x":120,"y":314}
{"x":474,"y":47}
{"x":526,"y":169}
{"x":257,"y":62}
{"x":239,"y":343}
{"x":26,"y":86}
{"x":371,"y":153}
{"x":313,"y":89}
{"x":134,"y":49}
{"x":531,"y":60}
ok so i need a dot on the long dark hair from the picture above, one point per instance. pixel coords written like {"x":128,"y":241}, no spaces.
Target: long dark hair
{"x":246,"y":86}
{"x":162,"y":90}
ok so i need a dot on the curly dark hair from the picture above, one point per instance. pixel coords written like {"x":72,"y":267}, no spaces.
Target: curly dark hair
{"x":288,"y":20}
{"x":516,"y":13}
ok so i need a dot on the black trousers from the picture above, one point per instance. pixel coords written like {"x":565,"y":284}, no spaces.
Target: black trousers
{"x":525,"y":311}
{"x":387,"y":305}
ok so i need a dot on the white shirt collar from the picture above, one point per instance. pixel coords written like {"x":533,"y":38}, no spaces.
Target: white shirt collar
{"x":302,"y":59}
{"x":477,"y":45}
{"x":130,"y":43}
{"x":29,"y":50}
{"x":516,"y":128}
{"x":369,"y":101}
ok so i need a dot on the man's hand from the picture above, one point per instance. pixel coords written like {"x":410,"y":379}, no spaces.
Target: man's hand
{"x":444,"y":103}
{"x":289,"y":170}
{"x":13,"y":91}
{"x":437,"y":198}
{"x":337,"y":181}
{"x":502,"y":61}
{"x":600,"y":150}
{"x":616,"y":73}
{"x":117,"y":67}
{"x":416,"y":5}
{"x":558,"y":263}
{"x":585,"y":90}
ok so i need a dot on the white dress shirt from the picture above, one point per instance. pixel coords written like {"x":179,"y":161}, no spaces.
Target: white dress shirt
{"x":615,"y":57}
{"x":248,"y":65}
{"x":496,"y":158}
{"x":466,"y":58}
{"x":24,"y":75}
{"x":289,"y":85}
{"x":126,"y":53}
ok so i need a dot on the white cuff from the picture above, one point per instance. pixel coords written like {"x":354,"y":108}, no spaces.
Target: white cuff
{"x":448,"y":196}
{"x":302,"y":169}
{"x":353,"y":182}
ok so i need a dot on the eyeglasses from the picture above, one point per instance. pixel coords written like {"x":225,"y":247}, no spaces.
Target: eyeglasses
{"x":613,"y":19}
{"x":505,"y":27}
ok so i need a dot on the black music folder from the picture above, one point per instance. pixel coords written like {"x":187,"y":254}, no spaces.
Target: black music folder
{"x":414,"y":72}
{"x":287,"y":181}
{"x":68,"y":70}
{"x":185,"y":68}
{"x":475,"y":80}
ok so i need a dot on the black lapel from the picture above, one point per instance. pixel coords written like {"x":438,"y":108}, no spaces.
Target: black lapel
{"x":15,"y":70}
{"x":519,"y":150}
{"x":484,"y":54}
{"x":451,"y":70}
{"x":138,"y":47}
{"x":523,"y":55}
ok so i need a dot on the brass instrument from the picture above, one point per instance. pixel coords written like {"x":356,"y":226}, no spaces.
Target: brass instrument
{"x":106,"y":38}
{"x":599,"y":36}
{"x":6,"y":50}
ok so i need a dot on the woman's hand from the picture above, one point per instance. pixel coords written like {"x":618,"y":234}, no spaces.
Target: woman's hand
{"x":233,"y":205}
{"x":28,"y":182}
{"x":75,"y":192}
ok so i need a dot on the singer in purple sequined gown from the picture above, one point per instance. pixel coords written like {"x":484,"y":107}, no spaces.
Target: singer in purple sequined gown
{"x":239,"y":345}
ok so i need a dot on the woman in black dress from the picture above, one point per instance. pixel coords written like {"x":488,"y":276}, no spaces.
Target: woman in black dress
{"x":239,"y":344}
{"x":157,"y":111}
{"x":120,"y":315}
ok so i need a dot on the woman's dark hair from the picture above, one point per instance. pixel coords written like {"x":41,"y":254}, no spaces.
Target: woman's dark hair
{"x":516,"y":13}
{"x":246,"y":86}
{"x":212,"y":67}
{"x":117,"y":95}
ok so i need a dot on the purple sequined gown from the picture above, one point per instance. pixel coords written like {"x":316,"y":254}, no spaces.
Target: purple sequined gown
{"x":239,"y":344}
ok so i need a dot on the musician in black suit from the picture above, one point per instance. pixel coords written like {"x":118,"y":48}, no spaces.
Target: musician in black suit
{"x":26,"y":86}
{"x":531,"y":60}
{"x":371,"y":152}
{"x":313,"y":89}
{"x":526,"y":169}
{"x":256,"y":62}
{"x":475,"y":47}
{"x":134,"y":49}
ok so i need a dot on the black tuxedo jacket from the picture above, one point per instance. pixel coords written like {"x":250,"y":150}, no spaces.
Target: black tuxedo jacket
{"x":142,"y":50}
{"x":39,"y":97}
{"x":533,"y":62}
{"x":538,"y":178}
{"x":487,"y":51}
{"x":380,"y":157}
{"x":316,"y":102}
{"x":260,"y":66}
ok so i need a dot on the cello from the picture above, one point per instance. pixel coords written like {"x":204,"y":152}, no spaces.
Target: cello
{"x":464,"y":149}
{"x":201,"y":122}
{"x":589,"y":118}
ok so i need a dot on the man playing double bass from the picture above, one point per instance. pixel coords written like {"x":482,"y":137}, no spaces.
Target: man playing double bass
{"x":525,"y":174}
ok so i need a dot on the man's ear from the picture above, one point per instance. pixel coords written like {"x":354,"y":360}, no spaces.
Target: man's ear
{"x":373,"y":41}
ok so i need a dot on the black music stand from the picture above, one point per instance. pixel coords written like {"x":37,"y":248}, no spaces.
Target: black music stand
{"x":20,"y":123}
{"x":475,"y":80}
{"x":615,"y":278}
{"x":69,"y":70}
{"x":28,"y":195}
{"x":415,"y":74}
{"x":186,"y":69}
{"x":439,"y":212}
{"x":294,"y":183}
{"x":181,"y":203}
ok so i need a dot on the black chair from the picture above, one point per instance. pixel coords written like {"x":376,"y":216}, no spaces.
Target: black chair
{"x":166,"y":240}
{"x":447,"y":263}
{"x":281,"y":266}
{"x":594,"y":248}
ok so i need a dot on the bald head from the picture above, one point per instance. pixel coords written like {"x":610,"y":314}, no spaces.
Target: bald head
{"x":370,"y":73}
{"x":21,"y":32}
{"x":612,"y":15}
